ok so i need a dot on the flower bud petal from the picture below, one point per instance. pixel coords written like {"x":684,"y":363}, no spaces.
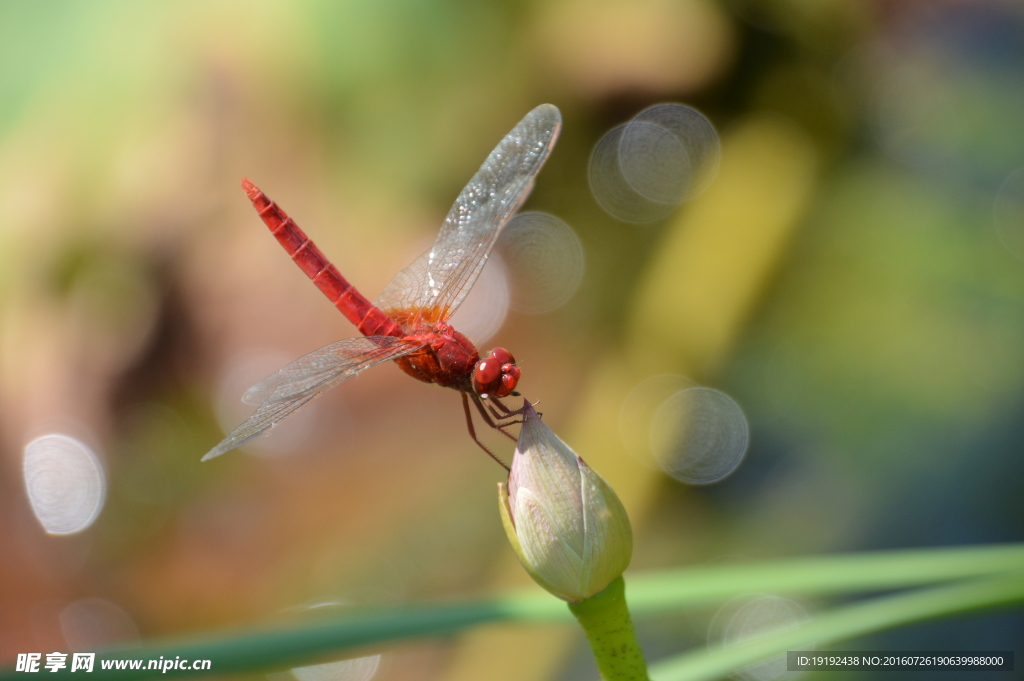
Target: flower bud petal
{"x":565,"y":523}
{"x":510,"y":531}
{"x":602,"y":509}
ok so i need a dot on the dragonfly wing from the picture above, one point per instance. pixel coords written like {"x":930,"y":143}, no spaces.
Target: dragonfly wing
{"x":434,"y":285}
{"x":308,"y":377}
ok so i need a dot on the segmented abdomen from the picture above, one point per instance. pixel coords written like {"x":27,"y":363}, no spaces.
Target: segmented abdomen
{"x":369,"y":319}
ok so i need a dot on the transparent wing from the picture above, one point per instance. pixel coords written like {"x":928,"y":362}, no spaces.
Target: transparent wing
{"x":308,"y":377}
{"x":434,"y":285}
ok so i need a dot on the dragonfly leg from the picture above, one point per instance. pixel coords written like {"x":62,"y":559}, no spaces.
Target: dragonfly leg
{"x":504,"y":409}
{"x":501,"y":405}
{"x":503,"y":413}
{"x":472,"y":431}
{"x":507,"y":412}
{"x":493,"y":422}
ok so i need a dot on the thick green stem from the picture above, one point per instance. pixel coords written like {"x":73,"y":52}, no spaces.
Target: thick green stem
{"x":605,"y":618}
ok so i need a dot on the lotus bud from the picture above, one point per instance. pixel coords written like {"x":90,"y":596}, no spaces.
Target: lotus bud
{"x":565,"y":523}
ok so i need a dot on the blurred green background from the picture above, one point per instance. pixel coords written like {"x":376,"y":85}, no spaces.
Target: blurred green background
{"x":853,"y":279}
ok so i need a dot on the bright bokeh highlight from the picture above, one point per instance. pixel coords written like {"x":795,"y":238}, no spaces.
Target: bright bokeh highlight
{"x":65,"y":483}
{"x":545,"y":261}
{"x":641,"y":170}
{"x":699,"y":435}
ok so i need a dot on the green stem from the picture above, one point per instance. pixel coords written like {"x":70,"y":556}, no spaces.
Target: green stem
{"x":847,"y":622}
{"x":609,"y":628}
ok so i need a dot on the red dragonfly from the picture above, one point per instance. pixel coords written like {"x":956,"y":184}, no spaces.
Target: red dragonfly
{"x":408,"y":323}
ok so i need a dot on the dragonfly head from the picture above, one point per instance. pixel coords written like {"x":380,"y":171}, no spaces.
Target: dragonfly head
{"x":496,"y":375}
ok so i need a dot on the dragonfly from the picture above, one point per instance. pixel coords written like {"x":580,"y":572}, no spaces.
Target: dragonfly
{"x":408,"y":322}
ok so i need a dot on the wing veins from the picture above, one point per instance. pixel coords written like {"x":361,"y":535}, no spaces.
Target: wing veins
{"x":307,"y":378}
{"x":437,"y":282}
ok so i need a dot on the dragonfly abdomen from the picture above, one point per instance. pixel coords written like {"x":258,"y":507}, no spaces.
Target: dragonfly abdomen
{"x":367,"y":317}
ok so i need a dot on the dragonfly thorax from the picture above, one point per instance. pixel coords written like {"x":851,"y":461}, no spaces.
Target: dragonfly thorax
{"x":447,"y":358}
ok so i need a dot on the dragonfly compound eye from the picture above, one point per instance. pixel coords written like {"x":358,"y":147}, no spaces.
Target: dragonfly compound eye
{"x":487,"y":376}
{"x":497,"y":375}
{"x":509,"y":377}
{"x":503,"y":356}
